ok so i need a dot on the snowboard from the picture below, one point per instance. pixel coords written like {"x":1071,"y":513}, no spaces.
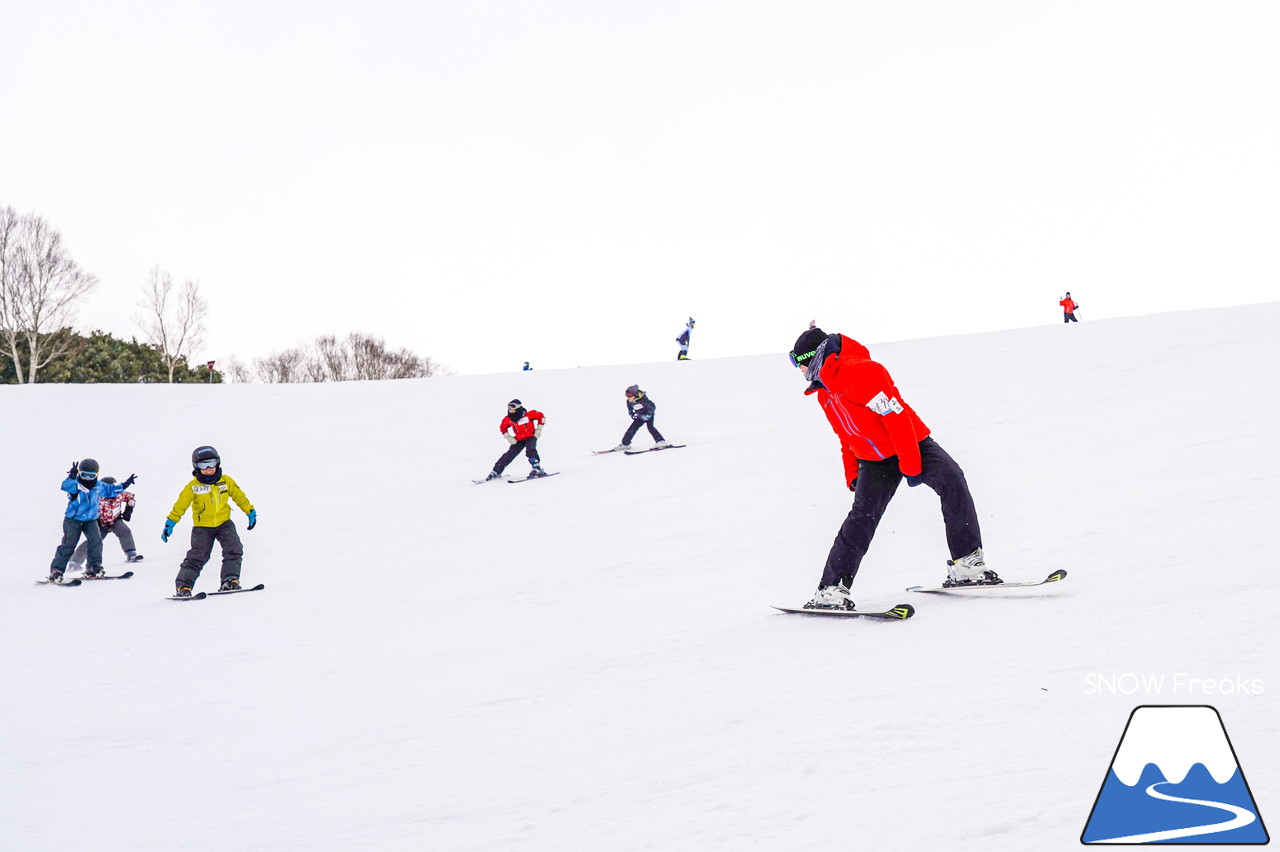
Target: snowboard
{"x":1052,"y":578}
{"x":527,"y":478}
{"x":653,"y":449}
{"x":901,"y":612}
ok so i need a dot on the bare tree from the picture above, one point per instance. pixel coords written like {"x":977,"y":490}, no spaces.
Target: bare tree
{"x":237,"y":371}
{"x":175,"y":326}
{"x":40,"y":286}
{"x":355,"y":357}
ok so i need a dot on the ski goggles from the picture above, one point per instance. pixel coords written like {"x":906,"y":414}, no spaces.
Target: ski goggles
{"x":206,"y":464}
{"x":797,"y":360}
{"x":88,"y":474}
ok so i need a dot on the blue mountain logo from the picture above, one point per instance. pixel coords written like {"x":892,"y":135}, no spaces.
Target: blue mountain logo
{"x":1175,"y":779}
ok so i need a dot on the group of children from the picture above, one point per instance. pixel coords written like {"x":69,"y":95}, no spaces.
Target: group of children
{"x":99,"y":505}
{"x":522,"y":427}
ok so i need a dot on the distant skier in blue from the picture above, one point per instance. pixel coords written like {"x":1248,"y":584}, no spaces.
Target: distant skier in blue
{"x":84,"y":493}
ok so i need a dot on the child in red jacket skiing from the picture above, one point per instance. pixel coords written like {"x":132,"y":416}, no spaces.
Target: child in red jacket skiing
{"x":521,"y":428}
{"x":882,"y":441}
{"x":1068,"y":308}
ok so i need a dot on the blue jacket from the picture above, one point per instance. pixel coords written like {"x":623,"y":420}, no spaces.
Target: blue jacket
{"x":82,"y":503}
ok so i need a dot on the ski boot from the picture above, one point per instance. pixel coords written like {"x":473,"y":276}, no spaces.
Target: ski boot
{"x":133,"y":556}
{"x":94,"y":571}
{"x":493,"y":474}
{"x":970,"y":570}
{"x":832,"y":597}
{"x":55,"y":576}
{"x":661,"y":445}
{"x":537,"y":472}
{"x":230,"y":584}
{"x":183,"y":592}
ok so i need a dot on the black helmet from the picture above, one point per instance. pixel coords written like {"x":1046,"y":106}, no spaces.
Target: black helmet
{"x":110,"y":480}
{"x":200,"y":454}
{"x":88,"y":468}
{"x":634,"y":390}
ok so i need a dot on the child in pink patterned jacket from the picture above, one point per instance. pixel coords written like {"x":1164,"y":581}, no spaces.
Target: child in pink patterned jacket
{"x":113,"y":516}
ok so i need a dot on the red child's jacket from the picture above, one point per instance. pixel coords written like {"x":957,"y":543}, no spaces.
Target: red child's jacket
{"x":867,"y":412}
{"x":1068,"y":306}
{"x":524,"y":427}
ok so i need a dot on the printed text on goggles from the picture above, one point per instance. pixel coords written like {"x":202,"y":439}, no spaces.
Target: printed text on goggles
{"x":796,"y":359}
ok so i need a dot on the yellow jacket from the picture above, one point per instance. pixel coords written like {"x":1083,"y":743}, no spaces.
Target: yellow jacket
{"x":210,"y":504}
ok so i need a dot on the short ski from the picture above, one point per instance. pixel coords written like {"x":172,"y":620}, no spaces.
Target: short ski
{"x":606,"y":452}
{"x":654,"y":449}
{"x":256,"y":588}
{"x":199,"y":596}
{"x":527,"y":478}
{"x":48,"y":582}
{"x":126,"y":575}
{"x":901,"y":612}
{"x":483,"y":481}
{"x":1052,"y":578}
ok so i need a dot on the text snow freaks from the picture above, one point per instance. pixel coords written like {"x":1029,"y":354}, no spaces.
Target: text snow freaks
{"x":1178,"y":683}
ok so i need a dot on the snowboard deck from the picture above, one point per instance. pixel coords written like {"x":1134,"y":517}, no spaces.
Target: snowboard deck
{"x":901,"y":612}
{"x":1052,"y":578}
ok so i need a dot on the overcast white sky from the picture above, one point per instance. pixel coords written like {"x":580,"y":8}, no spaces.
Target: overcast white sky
{"x":565,"y":182}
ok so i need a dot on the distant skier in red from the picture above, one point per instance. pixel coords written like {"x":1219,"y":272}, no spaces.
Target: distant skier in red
{"x":521,"y":428}
{"x":1068,"y":308}
{"x":882,"y":441}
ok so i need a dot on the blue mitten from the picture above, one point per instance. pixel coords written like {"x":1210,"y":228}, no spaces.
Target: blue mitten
{"x":253,"y":518}
{"x":168,"y":529}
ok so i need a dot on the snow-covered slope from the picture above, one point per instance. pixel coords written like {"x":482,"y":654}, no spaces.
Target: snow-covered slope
{"x":591,"y":662}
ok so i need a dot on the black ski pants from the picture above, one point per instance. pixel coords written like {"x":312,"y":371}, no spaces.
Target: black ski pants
{"x":635,"y":427}
{"x":202,"y":539}
{"x":877,"y":482}
{"x":1069,"y":316}
{"x":530,"y":447}
{"x":71,"y":530}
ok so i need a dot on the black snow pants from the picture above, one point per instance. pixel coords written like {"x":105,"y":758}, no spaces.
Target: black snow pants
{"x":202,"y":539}
{"x":71,"y":530}
{"x":635,"y":427}
{"x":530,"y":447}
{"x":877,"y":482}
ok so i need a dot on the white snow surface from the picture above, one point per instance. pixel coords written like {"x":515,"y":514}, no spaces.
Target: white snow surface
{"x":591,"y":662}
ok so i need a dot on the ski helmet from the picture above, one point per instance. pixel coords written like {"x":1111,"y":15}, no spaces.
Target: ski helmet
{"x":204,"y":454}
{"x":110,"y":480}
{"x":633,"y":390}
{"x":89,"y":468}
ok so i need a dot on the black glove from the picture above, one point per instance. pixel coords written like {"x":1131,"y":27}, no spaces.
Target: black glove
{"x":913,"y":481}
{"x":75,"y":468}
{"x":853,"y":484}
{"x":127,"y":514}
{"x":133,"y":477}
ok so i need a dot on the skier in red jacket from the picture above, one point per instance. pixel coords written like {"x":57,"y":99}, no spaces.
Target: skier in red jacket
{"x":521,"y":428}
{"x":1068,"y":308}
{"x":882,"y":440}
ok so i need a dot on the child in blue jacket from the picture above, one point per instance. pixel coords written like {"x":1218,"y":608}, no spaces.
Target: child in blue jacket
{"x":84,"y":492}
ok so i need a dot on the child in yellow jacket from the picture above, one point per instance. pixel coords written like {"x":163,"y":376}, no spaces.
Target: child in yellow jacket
{"x":209,"y":495}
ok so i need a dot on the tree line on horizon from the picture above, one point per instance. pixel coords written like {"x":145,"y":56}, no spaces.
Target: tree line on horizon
{"x":41,"y":288}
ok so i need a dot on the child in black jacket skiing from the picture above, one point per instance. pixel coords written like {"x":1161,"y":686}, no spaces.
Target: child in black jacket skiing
{"x":642,"y":411}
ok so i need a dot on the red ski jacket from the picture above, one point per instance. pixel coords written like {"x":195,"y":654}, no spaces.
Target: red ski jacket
{"x":867,"y":412}
{"x":1068,"y":306}
{"x":524,"y":427}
